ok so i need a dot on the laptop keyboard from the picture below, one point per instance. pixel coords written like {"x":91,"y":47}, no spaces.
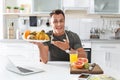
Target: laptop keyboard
{"x":24,"y":70}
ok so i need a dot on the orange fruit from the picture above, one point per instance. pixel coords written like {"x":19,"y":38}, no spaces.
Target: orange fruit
{"x":85,"y":60}
{"x":78,"y":64}
{"x":26,"y":33}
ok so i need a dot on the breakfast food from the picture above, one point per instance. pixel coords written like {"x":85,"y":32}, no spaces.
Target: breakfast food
{"x":78,"y":65}
{"x":101,"y":77}
{"x":85,"y":60}
{"x":32,"y":37}
{"x":40,"y":35}
{"x":35,"y":35}
{"x":86,"y":65}
{"x":81,"y":63}
{"x":26,"y":33}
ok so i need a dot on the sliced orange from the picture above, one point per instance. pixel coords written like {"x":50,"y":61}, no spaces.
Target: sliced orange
{"x":26,"y":33}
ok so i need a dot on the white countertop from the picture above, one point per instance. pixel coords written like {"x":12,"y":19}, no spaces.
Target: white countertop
{"x":83,"y":40}
{"x":53,"y":70}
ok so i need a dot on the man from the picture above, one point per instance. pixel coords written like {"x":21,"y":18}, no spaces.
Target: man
{"x":61,"y":40}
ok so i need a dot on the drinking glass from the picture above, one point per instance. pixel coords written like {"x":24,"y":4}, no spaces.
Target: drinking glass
{"x":73,"y":56}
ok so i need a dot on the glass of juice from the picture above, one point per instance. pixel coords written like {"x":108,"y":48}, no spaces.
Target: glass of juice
{"x":73,"y":56}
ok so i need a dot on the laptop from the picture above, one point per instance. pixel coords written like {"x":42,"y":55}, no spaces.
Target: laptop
{"x":26,"y":70}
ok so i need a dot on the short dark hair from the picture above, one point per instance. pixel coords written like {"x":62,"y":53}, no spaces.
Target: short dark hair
{"x":57,"y":11}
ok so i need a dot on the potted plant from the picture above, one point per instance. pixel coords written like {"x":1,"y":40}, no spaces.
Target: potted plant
{"x":8,"y":9}
{"x":21,"y":9}
{"x":16,"y":9}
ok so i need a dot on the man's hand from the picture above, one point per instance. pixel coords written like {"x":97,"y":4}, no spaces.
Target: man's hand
{"x":62,"y":45}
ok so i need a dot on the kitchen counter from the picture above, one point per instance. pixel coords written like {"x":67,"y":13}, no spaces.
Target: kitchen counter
{"x":101,"y":40}
{"x":82,"y":40}
{"x":52,"y":70}
{"x":13,"y":41}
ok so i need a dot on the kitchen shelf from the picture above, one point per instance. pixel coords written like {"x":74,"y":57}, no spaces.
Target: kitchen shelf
{"x":26,"y":14}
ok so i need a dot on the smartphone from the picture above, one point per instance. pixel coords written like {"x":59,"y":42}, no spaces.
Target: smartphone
{"x":83,"y":76}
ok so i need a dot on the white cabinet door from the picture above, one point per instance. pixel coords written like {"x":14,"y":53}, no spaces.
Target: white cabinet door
{"x":104,"y":6}
{"x":114,"y":61}
{"x":68,"y":3}
{"x":115,"y":58}
{"x":102,"y":51}
{"x":99,"y":57}
{"x":75,"y":4}
{"x":106,"y":54}
{"x":99,"y":54}
{"x":81,"y":3}
{"x":45,"y":5}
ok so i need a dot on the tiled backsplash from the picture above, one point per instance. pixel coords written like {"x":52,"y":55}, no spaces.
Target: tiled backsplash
{"x":78,"y":22}
{"x":82,"y":24}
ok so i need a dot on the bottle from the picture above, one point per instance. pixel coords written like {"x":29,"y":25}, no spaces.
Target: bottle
{"x":18,"y":34}
{"x":11,"y":31}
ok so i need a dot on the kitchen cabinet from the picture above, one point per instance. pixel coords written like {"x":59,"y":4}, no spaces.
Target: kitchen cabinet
{"x":43,"y":6}
{"x":115,"y":58}
{"x":75,"y":4}
{"x":106,"y":54}
{"x":33,"y":6}
{"x":98,"y":57}
{"x":104,"y":6}
{"x":114,"y":61}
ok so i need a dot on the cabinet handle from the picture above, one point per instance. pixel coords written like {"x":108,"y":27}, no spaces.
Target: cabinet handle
{"x":109,"y":59}
{"x":109,"y":56}
{"x":106,"y":57}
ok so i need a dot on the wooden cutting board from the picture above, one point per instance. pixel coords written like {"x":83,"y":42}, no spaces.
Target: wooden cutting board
{"x":96,"y":70}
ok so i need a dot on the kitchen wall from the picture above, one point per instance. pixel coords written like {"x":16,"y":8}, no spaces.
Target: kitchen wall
{"x":81,"y":22}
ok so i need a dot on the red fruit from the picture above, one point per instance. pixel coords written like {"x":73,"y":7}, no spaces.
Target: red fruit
{"x":85,"y":60}
{"x":78,"y":65}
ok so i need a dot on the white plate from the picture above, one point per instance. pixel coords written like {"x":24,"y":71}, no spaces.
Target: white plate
{"x":29,"y":40}
{"x":101,"y":77}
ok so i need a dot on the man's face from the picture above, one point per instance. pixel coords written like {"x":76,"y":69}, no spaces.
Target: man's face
{"x":57,"y":22}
